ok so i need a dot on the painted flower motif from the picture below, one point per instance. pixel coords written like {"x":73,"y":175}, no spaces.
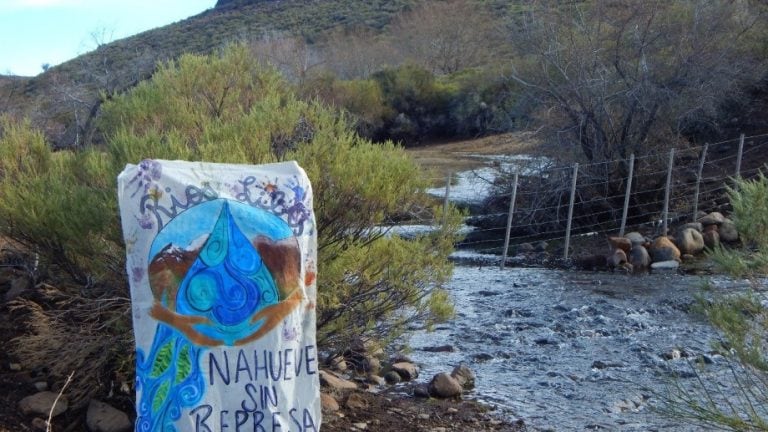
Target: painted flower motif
{"x":145,"y":221}
{"x":137,"y":274}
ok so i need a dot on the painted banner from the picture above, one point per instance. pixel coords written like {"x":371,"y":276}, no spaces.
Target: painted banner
{"x":221,"y":261}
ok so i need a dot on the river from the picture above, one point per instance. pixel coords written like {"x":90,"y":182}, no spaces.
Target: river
{"x":566,"y":350}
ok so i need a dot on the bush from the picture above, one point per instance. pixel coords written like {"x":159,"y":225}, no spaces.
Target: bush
{"x":742,"y":320}
{"x":223,"y":108}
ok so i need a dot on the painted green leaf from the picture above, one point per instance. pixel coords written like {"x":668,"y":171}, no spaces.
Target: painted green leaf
{"x":160,"y":395}
{"x":162,"y":360}
{"x":183,"y":364}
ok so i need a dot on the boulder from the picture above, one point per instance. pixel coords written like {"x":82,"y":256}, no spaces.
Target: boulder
{"x":375,"y":380}
{"x":636,"y":238}
{"x":18,"y":286}
{"x":541,"y":246}
{"x":639,"y":258}
{"x":392,"y":377}
{"x":328,"y":403}
{"x":621,"y":243}
{"x":42,"y":403}
{"x":407,"y":371}
{"x":711,"y":239}
{"x":663,"y":249}
{"x":330,"y":380}
{"x":464,"y":376}
{"x":525,"y":248}
{"x":618,"y":260}
{"x":728,"y":232}
{"x":369,"y":364}
{"x":666,"y":265}
{"x":102,"y":417}
{"x":689,"y":241}
{"x":714,"y":218}
{"x":338,"y":363}
{"x":695,"y":225}
{"x":711,"y":228}
{"x":356,"y":401}
{"x":443,"y":385}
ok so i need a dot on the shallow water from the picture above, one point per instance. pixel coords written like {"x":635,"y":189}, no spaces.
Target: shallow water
{"x":566,"y":350}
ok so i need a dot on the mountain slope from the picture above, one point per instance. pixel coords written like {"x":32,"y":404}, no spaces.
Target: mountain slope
{"x":64,"y":100}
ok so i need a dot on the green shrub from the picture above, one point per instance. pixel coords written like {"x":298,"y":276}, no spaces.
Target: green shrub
{"x":226,"y":108}
{"x":742,"y":320}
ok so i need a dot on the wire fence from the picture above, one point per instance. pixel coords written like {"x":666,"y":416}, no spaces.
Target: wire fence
{"x":537,"y":201}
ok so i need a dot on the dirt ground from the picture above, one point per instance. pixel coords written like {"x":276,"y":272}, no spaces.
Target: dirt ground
{"x":391,"y":409}
{"x":443,"y":159}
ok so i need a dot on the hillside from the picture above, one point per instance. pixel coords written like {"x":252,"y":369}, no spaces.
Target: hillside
{"x":64,"y":99}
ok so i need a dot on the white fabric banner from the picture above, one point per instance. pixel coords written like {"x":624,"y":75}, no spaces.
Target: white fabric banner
{"x":222,"y":266}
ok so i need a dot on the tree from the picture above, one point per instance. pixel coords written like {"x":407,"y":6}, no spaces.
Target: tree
{"x":219,"y":108}
{"x":618,"y":77}
{"x":447,"y":36}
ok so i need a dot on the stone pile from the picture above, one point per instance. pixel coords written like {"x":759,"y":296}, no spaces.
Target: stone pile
{"x":360,"y":369}
{"x":636,"y":253}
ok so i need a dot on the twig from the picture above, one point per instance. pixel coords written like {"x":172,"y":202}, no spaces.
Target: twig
{"x":55,"y":401}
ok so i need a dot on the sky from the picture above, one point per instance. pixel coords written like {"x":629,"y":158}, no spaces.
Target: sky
{"x":36,"y":32}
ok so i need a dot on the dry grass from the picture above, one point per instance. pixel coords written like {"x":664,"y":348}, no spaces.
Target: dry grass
{"x":448,"y":158}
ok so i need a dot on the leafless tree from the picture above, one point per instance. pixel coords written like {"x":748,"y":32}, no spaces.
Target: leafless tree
{"x":618,"y":77}
{"x":447,"y":36}
{"x":292,"y":55}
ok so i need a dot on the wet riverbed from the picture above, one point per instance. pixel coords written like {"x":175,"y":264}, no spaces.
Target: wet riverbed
{"x":566,"y":350}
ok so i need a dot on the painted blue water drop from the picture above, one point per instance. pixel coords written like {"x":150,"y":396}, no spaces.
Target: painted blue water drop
{"x":228,"y":282}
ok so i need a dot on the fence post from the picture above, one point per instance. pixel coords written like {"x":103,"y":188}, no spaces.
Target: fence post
{"x":445,"y":201}
{"x":570,"y":211}
{"x":509,"y":222}
{"x":698,"y":181}
{"x":626,"y":195}
{"x":667,"y":189}
{"x":738,"y":156}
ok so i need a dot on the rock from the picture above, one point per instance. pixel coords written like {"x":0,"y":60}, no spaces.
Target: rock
{"x":695,"y":225}
{"x":440,"y":348}
{"x":407,"y":371}
{"x":590,"y":262}
{"x":370,"y":364}
{"x":464,"y":376}
{"x":330,"y":380}
{"x":665,"y":265}
{"x":421,"y":391}
{"x":356,"y":401}
{"x":622,"y":243}
{"x":711,"y":239}
{"x":392,"y":377}
{"x":375,"y":380}
{"x":15,"y":367}
{"x":541,"y":246}
{"x":689,"y":241}
{"x":360,"y":426}
{"x":618,"y":260}
{"x":40,"y":385}
{"x":18,"y":286}
{"x":663,"y":249}
{"x":711,"y":228}
{"x":714,"y":218}
{"x":338,"y":364}
{"x":639,"y":258}
{"x":636,"y":238}
{"x":728,"y":232}
{"x":41,"y":403}
{"x":328,"y":403}
{"x":687,"y":257}
{"x":39,"y":424}
{"x":444,"y":386}
{"x":104,"y":418}
{"x":525,"y":248}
